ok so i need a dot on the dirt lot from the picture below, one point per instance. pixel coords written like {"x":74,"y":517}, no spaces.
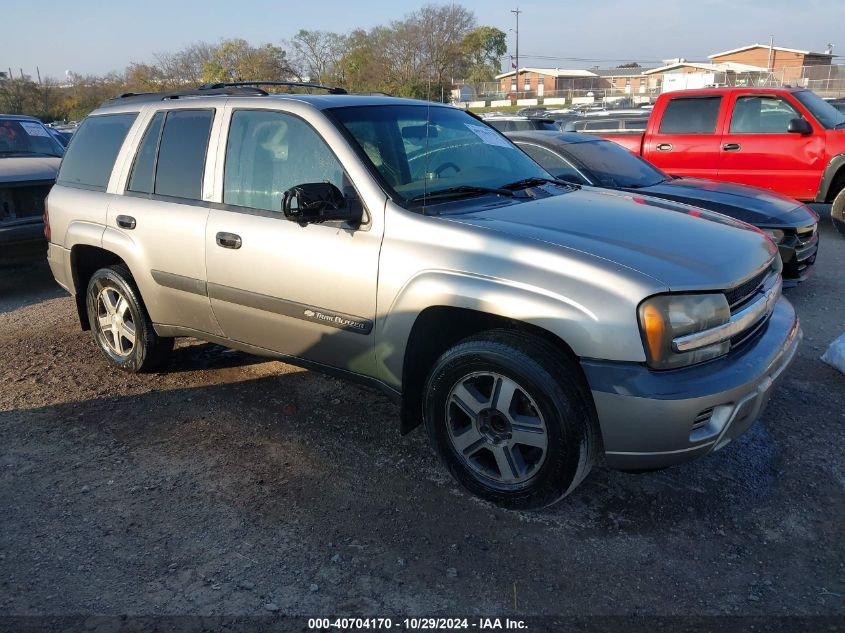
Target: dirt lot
{"x":234,"y":485}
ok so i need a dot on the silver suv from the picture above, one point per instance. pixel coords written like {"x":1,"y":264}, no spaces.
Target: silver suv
{"x":531,"y":324}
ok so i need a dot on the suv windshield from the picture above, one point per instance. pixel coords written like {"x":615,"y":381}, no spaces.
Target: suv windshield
{"x":21,"y":138}
{"x":611,"y":165}
{"x":824,"y":113}
{"x":421,"y":150}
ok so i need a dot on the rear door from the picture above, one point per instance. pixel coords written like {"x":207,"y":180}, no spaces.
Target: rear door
{"x":758,"y":150}
{"x":684,"y":138}
{"x":158,"y":223}
{"x":307,"y":291}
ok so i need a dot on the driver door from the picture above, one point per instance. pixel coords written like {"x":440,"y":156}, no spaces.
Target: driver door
{"x":306,"y":291}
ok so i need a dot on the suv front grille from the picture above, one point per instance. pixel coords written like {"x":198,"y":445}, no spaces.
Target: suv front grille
{"x":738,"y":295}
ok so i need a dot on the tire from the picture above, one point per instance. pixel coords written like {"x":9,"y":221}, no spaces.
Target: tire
{"x":500,"y":454}
{"x":120,"y":324}
{"x":837,"y":212}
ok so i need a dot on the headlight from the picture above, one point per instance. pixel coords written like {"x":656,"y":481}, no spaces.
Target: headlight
{"x":666,"y":317}
{"x":776,"y":235}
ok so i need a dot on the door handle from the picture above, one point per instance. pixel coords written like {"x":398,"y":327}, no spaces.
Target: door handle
{"x":125,"y":222}
{"x":229,"y":240}
{"x":731,"y":147}
{"x":664,"y":147}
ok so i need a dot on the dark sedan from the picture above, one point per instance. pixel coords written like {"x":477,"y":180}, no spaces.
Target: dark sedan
{"x":589,"y":160}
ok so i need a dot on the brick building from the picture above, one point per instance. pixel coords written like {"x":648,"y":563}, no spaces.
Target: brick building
{"x":785,"y":62}
{"x":544,"y":81}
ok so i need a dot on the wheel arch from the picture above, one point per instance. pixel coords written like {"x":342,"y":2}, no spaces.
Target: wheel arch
{"x":833,"y":179}
{"x":85,"y":260}
{"x":435,"y":330}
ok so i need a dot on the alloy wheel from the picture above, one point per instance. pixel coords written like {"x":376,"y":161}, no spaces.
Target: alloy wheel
{"x":114,"y":321}
{"x":496,"y":428}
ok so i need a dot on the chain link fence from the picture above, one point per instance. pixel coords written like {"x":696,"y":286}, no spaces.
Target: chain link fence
{"x":826,"y":81}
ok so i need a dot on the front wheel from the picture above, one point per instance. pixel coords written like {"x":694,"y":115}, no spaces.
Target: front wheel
{"x":119,"y":321}
{"x":837,"y":212}
{"x":511,"y":418}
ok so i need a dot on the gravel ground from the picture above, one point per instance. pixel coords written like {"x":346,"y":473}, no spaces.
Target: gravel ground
{"x":232,"y":485}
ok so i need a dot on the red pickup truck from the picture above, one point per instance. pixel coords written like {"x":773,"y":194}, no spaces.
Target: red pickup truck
{"x":785,"y":139}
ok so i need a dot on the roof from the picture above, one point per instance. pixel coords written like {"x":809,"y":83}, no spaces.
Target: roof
{"x":777,"y":48}
{"x":620,"y":72}
{"x":553,"y":137}
{"x":319,"y":101}
{"x":18,"y":117}
{"x":493,"y":116}
{"x":550,"y":72}
{"x":719,"y":67}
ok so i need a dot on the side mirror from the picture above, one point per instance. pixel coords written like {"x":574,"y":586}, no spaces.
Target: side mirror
{"x":316,"y":202}
{"x":799,"y":126}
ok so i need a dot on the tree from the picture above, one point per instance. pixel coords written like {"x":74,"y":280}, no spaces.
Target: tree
{"x":317,"y":55}
{"x":237,"y":60}
{"x":18,"y":96}
{"x":441,"y":31}
{"x":483,"y":49}
{"x":184,"y":67}
{"x":630,"y":65}
{"x":144,"y":78}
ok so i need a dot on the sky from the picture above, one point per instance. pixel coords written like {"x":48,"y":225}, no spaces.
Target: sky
{"x":98,"y":36}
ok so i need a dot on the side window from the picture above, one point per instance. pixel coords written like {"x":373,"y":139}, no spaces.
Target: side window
{"x":554,"y":163}
{"x":89,"y":160}
{"x":606,"y":125}
{"x":143,"y":170}
{"x":181,"y":153}
{"x":267,"y":153}
{"x":637,"y":125}
{"x":696,"y":115}
{"x":762,"y":115}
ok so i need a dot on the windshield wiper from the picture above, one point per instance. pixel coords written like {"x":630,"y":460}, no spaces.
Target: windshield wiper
{"x":537,"y":180}
{"x":462,"y":190}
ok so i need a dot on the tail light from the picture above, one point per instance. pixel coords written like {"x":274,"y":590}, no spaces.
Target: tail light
{"x":46,"y":221}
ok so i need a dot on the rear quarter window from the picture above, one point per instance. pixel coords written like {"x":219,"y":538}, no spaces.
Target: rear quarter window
{"x":89,"y":159}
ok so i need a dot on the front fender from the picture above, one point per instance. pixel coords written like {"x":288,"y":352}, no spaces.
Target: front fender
{"x":610,"y":332}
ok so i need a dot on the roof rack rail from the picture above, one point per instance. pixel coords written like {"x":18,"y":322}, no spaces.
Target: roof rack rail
{"x":292,"y":84}
{"x":164,"y":96}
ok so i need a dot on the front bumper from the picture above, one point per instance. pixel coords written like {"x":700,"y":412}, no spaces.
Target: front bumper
{"x":22,"y":242}
{"x":798,"y":258}
{"x":655,"y":419}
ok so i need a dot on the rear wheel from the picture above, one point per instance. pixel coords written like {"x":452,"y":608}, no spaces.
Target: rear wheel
{"x":120,"y":324}
{"x":837,"y":212}
{"x":511,"y":418}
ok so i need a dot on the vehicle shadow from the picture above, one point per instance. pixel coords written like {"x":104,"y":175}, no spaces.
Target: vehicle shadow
{"x":193,"y":354}
{"x":27,"y":285}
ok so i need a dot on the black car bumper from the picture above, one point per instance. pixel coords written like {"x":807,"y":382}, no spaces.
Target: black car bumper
{"x":798,"y":253}
{"x":24,"y":242}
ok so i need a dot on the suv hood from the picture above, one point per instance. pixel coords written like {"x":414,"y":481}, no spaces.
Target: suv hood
{"x":683,"y":247}
{"x":25,"y":168}
{"x":749,"y":204}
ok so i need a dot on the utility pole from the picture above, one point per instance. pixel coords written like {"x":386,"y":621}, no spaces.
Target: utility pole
{"x":516,"y":12}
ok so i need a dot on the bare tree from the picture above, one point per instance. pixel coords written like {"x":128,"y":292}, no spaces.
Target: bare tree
{"x":317,"y":55}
